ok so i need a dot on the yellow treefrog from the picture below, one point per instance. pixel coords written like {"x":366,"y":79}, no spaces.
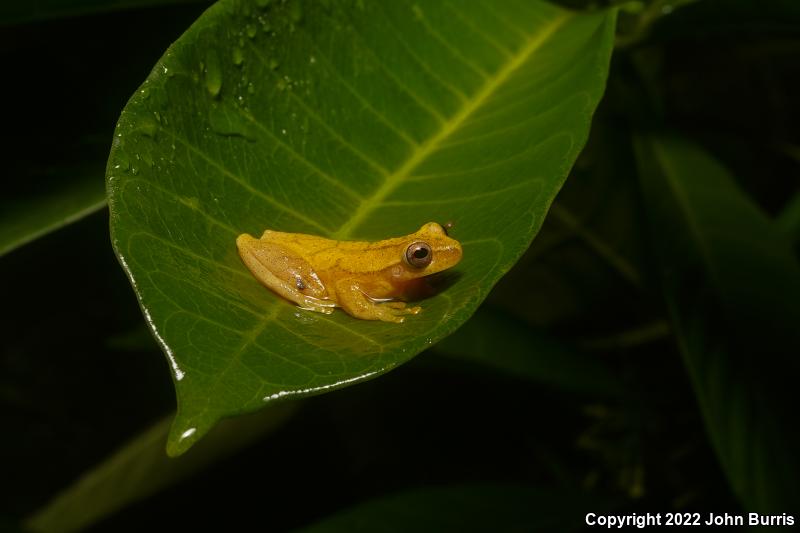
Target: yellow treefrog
{"x":365,"y":279}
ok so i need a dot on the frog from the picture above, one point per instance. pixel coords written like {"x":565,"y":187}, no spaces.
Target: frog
{"x":367,"y":280}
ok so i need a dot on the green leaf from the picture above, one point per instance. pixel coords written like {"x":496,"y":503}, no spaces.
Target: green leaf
{"x":28,"y":218}
{"x":492,"y":339}
{"x":789,"y":218}
{"x":474,"y":507}
{"x":349,"y":120}
{"x":139,"y":469}
{"x":732,"y":287}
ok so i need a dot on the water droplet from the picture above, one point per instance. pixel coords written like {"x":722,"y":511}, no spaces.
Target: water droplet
{"x":123,"y":162}
{"x":238,"y":56}
{"x":312,"y":60}
{"x":304,"y":318}
{"x":273,"y":64}
{"x":145,"y":92}
{"x":213,"y":72}
{"x":230,"y":123}
{"x":281,"y":84}
{"x":192,"y":202}
{"x":251,"y":30}
{"x":148,"y":159}
{"x":149,"y":127}
{"x":251,"y":88}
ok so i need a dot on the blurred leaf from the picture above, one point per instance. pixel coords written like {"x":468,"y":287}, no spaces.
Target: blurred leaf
{"x":348,"y":121}
{"x":16,"y":12}
{"x":639,"y":18}
{"x":48,"y":189}
{"x":732,"y":287}
{"x":588,"y":255}
{"x":466,"y":508}
{"x":712,"y":18}
{"x":789,"y":219}
{"x":23,"y":220}
{"x":506,"y":344}
{"x":619,"y":263}
{"x":140,"y":469}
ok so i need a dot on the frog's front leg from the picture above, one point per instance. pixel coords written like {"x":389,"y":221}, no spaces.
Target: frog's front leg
{"x":356,"y":302}
{"x":285,"y":273}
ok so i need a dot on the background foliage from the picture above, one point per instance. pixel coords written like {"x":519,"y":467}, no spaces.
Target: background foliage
{"x":638,"y":356}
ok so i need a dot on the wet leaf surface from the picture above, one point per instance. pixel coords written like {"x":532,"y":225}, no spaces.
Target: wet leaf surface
{"x":353,"y":121}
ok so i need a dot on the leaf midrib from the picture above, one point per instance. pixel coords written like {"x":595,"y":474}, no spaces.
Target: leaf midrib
{"x":420,"y":154}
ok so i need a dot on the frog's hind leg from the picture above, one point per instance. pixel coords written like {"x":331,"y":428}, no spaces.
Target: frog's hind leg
{"x":354,"y":301}
{"x":290,"y":291}
{"x":286,"y":274}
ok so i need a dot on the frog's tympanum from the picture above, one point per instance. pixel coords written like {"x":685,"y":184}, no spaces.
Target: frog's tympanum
{"x":365,"y":279}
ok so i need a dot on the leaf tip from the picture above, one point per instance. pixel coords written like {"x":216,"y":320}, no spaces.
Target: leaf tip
{"x":184,"y":433}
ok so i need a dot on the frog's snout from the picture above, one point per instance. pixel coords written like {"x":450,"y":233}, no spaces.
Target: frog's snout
{"x":457,"y":252}
{"x":447,"y":255}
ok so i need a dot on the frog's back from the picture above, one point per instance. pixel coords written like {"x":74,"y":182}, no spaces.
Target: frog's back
{"x":299,"y":243}
{"x":330,"y":254}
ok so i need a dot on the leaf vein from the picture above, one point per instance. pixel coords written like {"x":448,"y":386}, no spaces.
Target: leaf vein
{"x":375,"y":165}
{"x":400,"y":83}
{"x":478,"y":30}
{"x":274,"y":203}
{"x":381,"y":116}
{"x":461,"y":199}
{"x":454,"y":51}
{"x":432,"y":144}
{"x":455,"y":91}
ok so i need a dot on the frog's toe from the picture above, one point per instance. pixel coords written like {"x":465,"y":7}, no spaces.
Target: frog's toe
{"x":398,"y":313}
{"x":325,"y":310}
{"x":407,"y":311}
{"x":401,"y":308}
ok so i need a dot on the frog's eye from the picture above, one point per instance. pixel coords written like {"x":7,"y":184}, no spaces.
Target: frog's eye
{"x":419,"y":255}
